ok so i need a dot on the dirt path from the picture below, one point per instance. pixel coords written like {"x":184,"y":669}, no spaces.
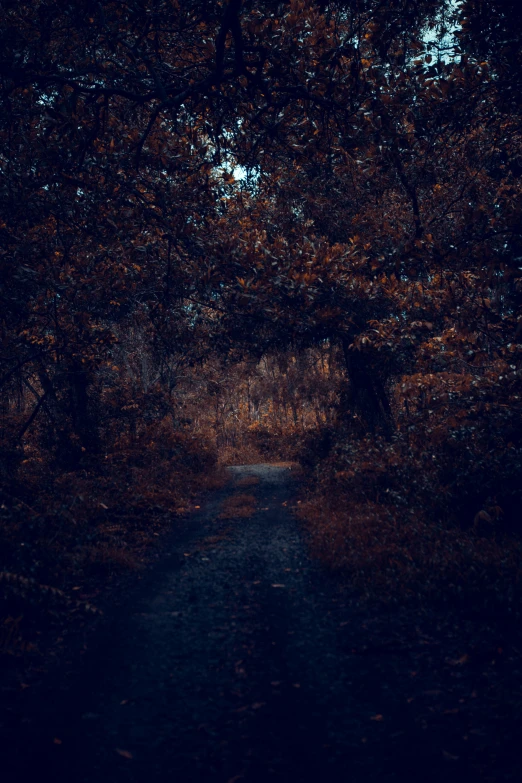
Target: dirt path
{"x":237,"y":660}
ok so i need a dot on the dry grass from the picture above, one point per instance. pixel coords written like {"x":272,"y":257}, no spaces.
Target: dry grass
{"x":211,"y":541}
{"x":216,"y":479}
{"x":88,"y":531}
{"x":239,"y":506}
{"x":240,"y":455}
{"x":104,"y":558}
{"x":392,"y":557}
{"x":247,"y":481}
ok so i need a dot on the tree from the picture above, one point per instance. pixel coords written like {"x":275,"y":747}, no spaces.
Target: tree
{"x":379,"y":209}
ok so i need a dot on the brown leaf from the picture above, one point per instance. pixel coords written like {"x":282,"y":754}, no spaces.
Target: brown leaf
{"x":459,"y":661}
{"x":125,"y":753}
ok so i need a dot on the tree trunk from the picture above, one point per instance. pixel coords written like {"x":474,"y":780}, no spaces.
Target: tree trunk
{"x":83,"y":419}
{"x":366,"y":394}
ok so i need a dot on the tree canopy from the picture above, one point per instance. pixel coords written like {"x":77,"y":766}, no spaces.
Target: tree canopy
{"x":182,"y":181}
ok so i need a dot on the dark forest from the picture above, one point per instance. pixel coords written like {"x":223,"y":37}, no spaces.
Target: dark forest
{"x":279,"y":234}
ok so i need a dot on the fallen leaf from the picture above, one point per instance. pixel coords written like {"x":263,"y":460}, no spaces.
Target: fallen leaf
{"x":458,"y":661}
{"x":377,"y":717}
{"x":277,"y":585}
{"x":125,"y":701}
{"x":125,"y":753}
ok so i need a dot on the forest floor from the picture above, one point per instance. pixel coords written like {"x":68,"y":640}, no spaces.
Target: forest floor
{"x":235,"y":658}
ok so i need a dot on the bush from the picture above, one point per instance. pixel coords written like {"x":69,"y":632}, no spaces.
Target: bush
{"x":436,"y":508}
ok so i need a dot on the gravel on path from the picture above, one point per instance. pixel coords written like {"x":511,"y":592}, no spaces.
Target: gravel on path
{"x":237,"y":660}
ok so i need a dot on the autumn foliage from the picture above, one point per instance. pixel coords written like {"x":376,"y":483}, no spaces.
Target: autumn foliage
{"x":258,"y":230}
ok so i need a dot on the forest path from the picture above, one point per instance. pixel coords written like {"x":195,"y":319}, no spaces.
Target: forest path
{"x":233,"y":662}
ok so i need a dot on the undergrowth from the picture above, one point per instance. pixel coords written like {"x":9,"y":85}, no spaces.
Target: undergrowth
{"x":396,"y":521}
{"x":65,"y":537}
{"x":395,"y":558}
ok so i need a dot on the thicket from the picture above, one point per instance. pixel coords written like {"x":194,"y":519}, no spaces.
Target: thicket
{"x":240,"y":231}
